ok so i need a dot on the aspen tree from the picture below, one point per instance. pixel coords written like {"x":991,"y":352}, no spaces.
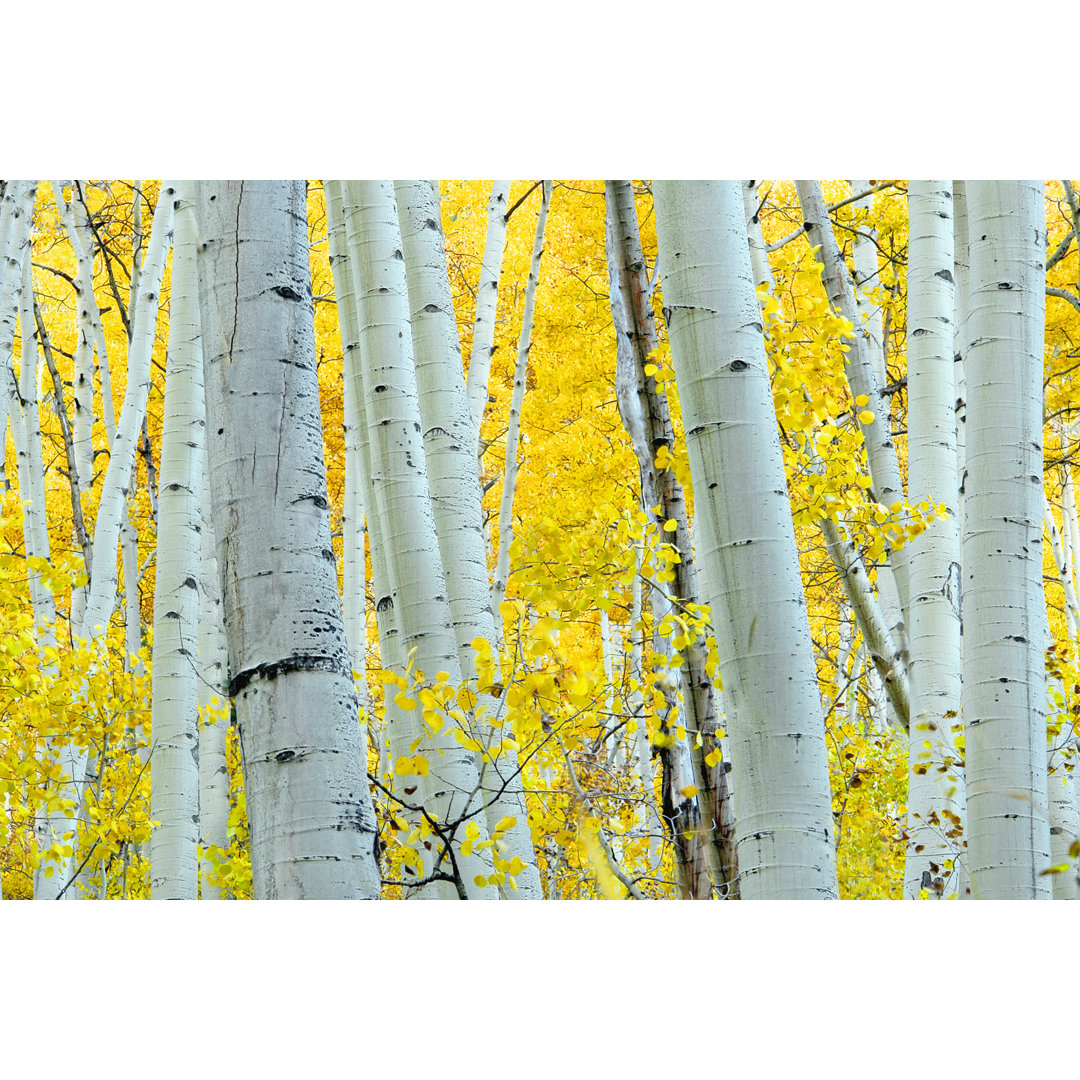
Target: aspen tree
{"x":746,"y":545}
{"x":487,"y":299}
{"x":402,"y":511}
{"x":886,"y":653}
{"x":935,"y":782}
{"x":312,"y":823}
{"x":213,"y":695}
{"x":1004,"y":684}
{"x":112,"y":508}
{"x":174,"y":760}
{"x":456,"y":499}
{"x":705,"y":815}
{"x":510,"y":470}
{"x":863,"y":377}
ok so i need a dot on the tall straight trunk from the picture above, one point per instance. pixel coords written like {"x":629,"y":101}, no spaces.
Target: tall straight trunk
{"x":935,"y":783}
{"x":746,"y":545}
{"x":174,"y":759}
{"x":31,"y":467}
{"x":213,"y":695}
{"x":864,"y":380}
{"x":398,"y":728}
{"x":866,"y":277}
{"x":487,"y":300}
{"x":402,"y":508}
{"x":456,"y":498}
{"x":111,"y":509}
{"x":647,"y":418}
{"x":510,"y":471}
{"x":1004,"y":690}
{"x":313,"y":829}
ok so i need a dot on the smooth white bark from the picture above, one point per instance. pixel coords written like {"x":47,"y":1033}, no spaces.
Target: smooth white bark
{"x":401,"y":512}
{"x":110,"y":517}
{"x":510,"y":470}
{"x":456,"y":498}
{"x":746,"y":545}
{"x":1004,"y":678}
{"x":213,"y":693}
{"x":936,"y":802}
{"x":313,"y":829}
{"x":487,"y":299}
{"x":174,"y":760}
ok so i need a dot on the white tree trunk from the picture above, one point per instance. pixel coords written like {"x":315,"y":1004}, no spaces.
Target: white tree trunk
{"x":647,"y":419}
{"x":456,"y":497}
{"x":354,"y":584}
{"x":402,"y":508}
{"x":1004,"y":677}
{"x":313,"y":829}
{"x":935,"y":782}
{"x":866,"y":278}
{"x":487,"y":299}
{"x":213,"y":693}
{"x":510,"y":471}
{"x":174,"y":760}
{"x":102,"y":593}
{"x":746,"y":543}
{"x":863,"y":379}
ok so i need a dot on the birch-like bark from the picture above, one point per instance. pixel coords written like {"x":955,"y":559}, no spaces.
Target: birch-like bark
{"x":456,"y":498}
{"x":31,"y":469}
{"x":354,"y":563}
{"x":866,"y":277}
{"x":647,"y":419}
{"x":746,"y":545}
{"x":402,"y":510}
{"x":213,"y":693}
{"x":399,"y":728}
{"x":863,"y":379}
{"x":487,"y":300}
{"x":510,"y":471}
{"x":313,"y":830}
{"x":961,"y":274}
{"x":1004,"y":686}
{"x":101,"y":596}
{"x":936,"y":802}
{"x":174,"y":758}
{"x":879,"y":644}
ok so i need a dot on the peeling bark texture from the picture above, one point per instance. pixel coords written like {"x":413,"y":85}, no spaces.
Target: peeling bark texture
{"x":506,"y":503}
{"x":647,"y":419}
{"x":401,"y":512}
{"x":746,"y":545}
{"x":936,"y":803}
{"x":456,"y":498}
{"x":313,"y":829}
{"x":1004,"y":685}
{"x":174,"y":757}
{"x":487,"y":299}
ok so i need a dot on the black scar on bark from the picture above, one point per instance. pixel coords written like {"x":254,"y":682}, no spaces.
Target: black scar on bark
{"x":286,"y":293}
{"x":298,"y":662}
{"x":739,"y":365}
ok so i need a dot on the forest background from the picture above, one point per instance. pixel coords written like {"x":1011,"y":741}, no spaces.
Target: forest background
{"x":903,"y":130}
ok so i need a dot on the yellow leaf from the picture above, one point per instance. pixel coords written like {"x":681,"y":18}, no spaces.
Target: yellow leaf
{"x":866,"y":417}
{"x":689,"y":791}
